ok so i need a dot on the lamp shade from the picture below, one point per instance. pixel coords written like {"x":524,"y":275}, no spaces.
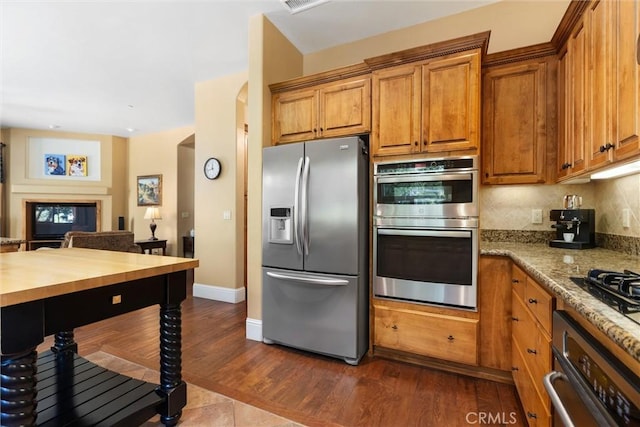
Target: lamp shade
{"x":152,"y":213}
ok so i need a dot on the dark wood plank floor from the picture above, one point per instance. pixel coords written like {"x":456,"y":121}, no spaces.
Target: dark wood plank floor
{"x":306,"y":388}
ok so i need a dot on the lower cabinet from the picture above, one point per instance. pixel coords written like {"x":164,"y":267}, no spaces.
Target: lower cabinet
{"x":440,"y":336}
{"x":532,"y":308}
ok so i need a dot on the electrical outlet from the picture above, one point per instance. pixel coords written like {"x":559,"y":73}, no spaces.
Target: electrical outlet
{"x":226,"y":215}
{"x":626,"y":218}
{"x":536,"y":216}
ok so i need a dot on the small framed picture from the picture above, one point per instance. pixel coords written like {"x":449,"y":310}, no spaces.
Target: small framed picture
{"x":76,"y":165}
{"x":54,"y":164}
{"x":149,"y":190}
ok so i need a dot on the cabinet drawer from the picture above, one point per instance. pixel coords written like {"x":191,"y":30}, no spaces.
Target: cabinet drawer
{"x":518,"y":280}
{"x":536,"y":413}
{"x":533,"y":342}
{"x":540,"y":303}
{"x":443,"y":337}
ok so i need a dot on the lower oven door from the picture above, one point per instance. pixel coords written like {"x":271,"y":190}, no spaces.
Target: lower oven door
{"x":426,"y":265}
{"x":573,"y":405}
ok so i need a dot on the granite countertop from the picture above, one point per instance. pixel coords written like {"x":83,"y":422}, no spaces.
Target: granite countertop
{"x":11,"y":241}
{"x":553,"y":267}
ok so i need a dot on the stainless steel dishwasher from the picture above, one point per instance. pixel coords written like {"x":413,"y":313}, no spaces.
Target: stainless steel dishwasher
{"x":589,"y":386}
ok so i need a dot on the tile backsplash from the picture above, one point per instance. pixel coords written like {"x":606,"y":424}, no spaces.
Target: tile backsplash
{"x":509,"y":207}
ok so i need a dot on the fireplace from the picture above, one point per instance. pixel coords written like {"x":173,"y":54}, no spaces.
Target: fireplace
{"x":47,"y":221}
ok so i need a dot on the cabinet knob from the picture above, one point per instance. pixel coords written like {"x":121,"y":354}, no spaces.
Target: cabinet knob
{"x":533,"y":301}
{"x":515,"y":368}
{"x":606,"y":147}
{"x":321,"y":129}
{"x":315,"y":130}
{"x":450,"y":338}
{"x":515,"y":319}
{"x":531,"y":415}
{"x":415,"y":143}
{"x":531,"y":351}
{"x":394,"y":327}
{"x":515,"y":281}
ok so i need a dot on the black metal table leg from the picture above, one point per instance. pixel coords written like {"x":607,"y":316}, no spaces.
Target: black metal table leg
{"x":171,"y":385}
{"x":64,"y":341}
{"x":18,"y":382}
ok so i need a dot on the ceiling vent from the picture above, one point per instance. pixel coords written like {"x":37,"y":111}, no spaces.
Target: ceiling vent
{"x":295,"y":6}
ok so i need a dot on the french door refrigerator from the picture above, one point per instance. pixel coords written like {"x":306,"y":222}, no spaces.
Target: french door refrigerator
{"x":315,"y":258}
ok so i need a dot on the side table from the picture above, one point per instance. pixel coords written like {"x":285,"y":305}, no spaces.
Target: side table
{"x":149,"y":245}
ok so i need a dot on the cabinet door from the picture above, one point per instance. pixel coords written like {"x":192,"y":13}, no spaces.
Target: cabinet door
{"x":451,"y":103}
{"x":600,"y":93}
{"x":564,"y":114}
{"x":295,"y":116}
{"x":514,"y":121}
{"x":396,"y":110}
{"x":578,"y":80}
{"x":345,"y":108}
{"x":628,"y":78}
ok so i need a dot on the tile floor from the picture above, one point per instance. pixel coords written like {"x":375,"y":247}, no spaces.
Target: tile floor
{"x":204,"y":407}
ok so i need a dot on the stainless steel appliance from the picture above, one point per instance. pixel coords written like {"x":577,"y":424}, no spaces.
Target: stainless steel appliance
{"x":618,"y":289}
{"x":589,"y":386}
{"x":425,"y":238}
{"x":579,"y":224}
{"x":315,"y":247}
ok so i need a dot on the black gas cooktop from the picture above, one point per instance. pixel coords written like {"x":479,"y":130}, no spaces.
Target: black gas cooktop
{"x":619,"y":290}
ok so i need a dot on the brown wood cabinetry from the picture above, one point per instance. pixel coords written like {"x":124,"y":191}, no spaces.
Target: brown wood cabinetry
{"x":532,"y":308}
{"x":328,"y":110}
{"x":572,"y":151}
{"x":429,"y":334}
{"x":599,"y":83}
{"x":519,"y":113}
{"x":428,"y":106}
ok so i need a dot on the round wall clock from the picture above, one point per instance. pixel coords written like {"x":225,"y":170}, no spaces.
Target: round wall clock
{"x":212,"y":168}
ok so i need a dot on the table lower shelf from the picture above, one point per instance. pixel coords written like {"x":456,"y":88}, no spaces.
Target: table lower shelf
{"x":74,"y":391}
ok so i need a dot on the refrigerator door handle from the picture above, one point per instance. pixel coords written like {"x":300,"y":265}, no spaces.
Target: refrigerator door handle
{"x":308,"y":279}
{"x":305,"y":205}
{"x":296,"y":209}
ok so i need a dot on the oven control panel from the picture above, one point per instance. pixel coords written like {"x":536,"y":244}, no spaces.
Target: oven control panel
{"x":449,"y":164}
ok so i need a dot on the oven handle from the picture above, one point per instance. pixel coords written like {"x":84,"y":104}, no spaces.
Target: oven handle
{"x":464,"y":176}
{"x":548,"y":381}
{"x":422,"y":233}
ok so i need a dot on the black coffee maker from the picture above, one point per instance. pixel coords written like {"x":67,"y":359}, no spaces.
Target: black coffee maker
{"x":575,"y":228}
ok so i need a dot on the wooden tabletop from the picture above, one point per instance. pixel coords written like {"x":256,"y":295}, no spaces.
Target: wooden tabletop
{"x":32,"y":275}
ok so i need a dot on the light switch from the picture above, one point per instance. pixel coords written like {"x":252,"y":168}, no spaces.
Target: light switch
{"x":536,"y":216}
{"x":226,"y":214}
{"x":626,"y":218}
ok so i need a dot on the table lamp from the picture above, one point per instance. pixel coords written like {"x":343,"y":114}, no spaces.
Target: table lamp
{"x":152,"y":214}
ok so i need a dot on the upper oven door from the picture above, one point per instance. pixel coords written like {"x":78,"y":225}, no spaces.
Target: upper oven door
{"x":441,"y":195}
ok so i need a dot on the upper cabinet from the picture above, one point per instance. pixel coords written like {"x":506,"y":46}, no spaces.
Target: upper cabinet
{"x":304,"y":109}
{"x":519,"y":116}
{"x":427,"y":100}
{"x":599,"y":82}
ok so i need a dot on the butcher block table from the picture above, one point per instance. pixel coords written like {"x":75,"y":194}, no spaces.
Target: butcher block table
{"x":54,"y":291}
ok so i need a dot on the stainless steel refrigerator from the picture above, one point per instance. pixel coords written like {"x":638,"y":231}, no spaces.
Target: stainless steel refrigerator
{"x":315,"y":259}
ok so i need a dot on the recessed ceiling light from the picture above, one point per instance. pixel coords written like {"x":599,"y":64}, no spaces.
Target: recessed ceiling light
{"x":54,"y":126}
{"x":131,"y":129}
{"x":130,"y":106}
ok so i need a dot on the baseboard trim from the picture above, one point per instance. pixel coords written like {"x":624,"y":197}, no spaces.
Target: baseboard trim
{"x":254,"y":329}
{"x":218,"y":293}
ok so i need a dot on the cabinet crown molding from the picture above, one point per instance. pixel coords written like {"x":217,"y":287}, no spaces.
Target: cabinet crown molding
{"x":341,"y":73}
{"x":447,"y":47}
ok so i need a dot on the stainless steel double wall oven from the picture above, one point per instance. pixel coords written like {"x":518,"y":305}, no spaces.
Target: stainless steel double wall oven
{"x":425,"y":237}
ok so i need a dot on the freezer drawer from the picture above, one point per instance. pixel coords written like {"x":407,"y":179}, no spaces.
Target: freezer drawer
{"x":316,"y":312}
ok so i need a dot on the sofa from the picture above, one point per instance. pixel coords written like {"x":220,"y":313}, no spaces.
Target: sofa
{"x":119,"y":241}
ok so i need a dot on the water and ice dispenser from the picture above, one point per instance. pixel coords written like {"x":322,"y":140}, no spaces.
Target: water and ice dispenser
{"x":280,"y":225}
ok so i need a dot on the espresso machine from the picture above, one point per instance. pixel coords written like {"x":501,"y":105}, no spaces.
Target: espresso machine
{"x":575,"y":228}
